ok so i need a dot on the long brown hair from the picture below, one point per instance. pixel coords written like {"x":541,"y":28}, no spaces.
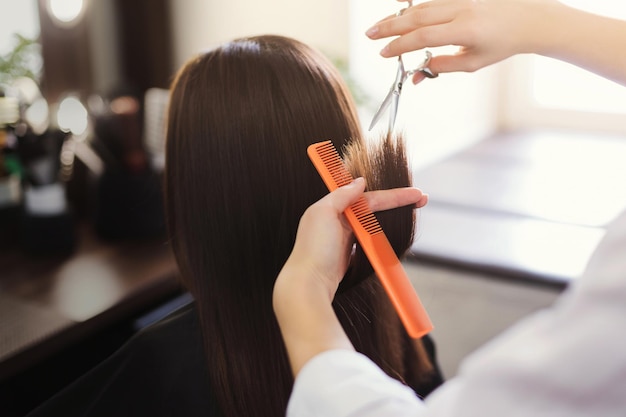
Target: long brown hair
{"x":237,"y":181}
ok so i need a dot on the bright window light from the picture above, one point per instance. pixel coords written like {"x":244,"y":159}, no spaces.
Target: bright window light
{"x":66,"y":11}
{"x":72,"y":116}
{"x":558,"y":85}
{"x":37,"y":115}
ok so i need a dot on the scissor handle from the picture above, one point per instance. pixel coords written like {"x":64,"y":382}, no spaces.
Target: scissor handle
{"x":424,"y":68}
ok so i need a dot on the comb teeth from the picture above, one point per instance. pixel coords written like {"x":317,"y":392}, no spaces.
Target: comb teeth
{"x":332,"y":168}
{"x":334,"y":165}
{"x":365,"y":216}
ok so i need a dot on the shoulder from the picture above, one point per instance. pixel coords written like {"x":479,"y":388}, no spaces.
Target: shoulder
{"x":161,"y":371}
{"x":176,"y":333}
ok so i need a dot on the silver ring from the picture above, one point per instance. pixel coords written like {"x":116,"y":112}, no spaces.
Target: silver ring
{"x":399,"y":13}
{"x":428,"y":73}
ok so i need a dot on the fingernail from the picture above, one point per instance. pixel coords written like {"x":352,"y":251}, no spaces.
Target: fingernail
{"x":422,"y":202}
{"x":385,"y":51}
{"x":417,"y":78}
{"x":357,"y":183}
{"x":372,"y":31}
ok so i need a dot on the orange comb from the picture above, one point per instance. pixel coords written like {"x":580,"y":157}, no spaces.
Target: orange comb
{"x":377,"y":248}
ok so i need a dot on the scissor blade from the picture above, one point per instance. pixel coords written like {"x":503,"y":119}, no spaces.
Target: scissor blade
{"x":393,"y":111}
{"x":381,"y":109}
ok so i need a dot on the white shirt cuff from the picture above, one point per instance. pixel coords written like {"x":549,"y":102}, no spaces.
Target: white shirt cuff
{"x":345,"y":383}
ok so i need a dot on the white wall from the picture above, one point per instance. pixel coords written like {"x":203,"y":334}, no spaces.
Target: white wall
{"x":198,"y":24}
{"x":27,"y":24}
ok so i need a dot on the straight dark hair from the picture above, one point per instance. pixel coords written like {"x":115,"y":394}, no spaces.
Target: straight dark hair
{"x":237,"y":181}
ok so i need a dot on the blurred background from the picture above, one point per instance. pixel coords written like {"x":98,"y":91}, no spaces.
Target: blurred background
{"x":509,"y":156}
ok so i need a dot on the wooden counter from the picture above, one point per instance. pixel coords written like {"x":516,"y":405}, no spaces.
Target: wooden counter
{"x":50,"y":303}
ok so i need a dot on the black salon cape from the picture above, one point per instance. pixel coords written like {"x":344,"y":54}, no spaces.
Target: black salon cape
{"x":160,"y":372}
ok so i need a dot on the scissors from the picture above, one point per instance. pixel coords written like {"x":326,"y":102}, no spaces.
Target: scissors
{"x":393,"y":97}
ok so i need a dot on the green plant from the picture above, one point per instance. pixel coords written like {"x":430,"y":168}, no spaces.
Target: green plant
{"x":24,"y":60}
{"x":359,"y":94}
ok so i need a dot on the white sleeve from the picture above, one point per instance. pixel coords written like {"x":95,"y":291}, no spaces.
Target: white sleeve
{"x":567,"y":361}
{"x":344,"y":383}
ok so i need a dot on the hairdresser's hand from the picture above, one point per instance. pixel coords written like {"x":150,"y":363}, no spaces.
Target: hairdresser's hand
{"x":487,"y":31}
{"x":306,"y":285}
{"x":324,"y":239}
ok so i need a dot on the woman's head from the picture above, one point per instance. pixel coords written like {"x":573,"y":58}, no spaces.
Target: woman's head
{"x":237,"y":182}
{"x":241,"y":117}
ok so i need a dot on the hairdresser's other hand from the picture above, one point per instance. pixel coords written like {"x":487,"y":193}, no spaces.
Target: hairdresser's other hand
{"x":307,"y":283}
{"x":487,"y":31}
